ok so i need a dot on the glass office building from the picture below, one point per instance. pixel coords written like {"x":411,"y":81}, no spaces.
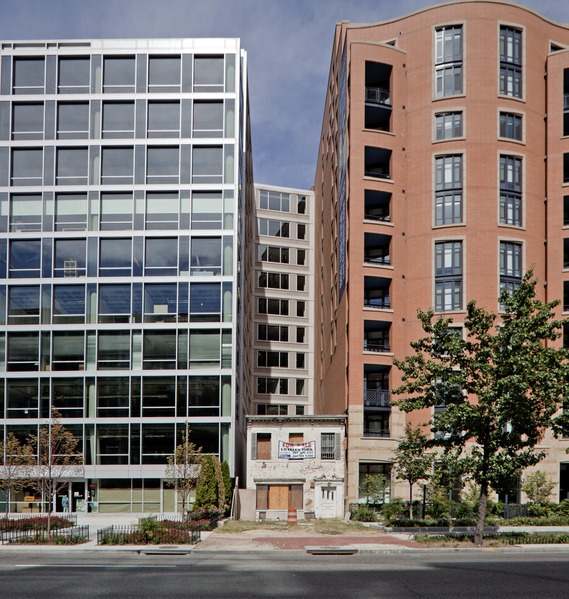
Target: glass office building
{"x":122,"y":164}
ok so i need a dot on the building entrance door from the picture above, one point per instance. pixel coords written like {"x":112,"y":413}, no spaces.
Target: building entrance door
{"x":327,"y":502}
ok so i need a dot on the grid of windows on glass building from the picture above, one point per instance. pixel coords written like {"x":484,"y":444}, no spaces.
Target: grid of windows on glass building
{"x":119,"y":173}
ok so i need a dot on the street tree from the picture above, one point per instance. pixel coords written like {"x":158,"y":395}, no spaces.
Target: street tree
{"x":183,"y":469}
{"x":375,"y":487}
{"x":496,"y":390}
{"x":15,"y":461}
{"x":56,"y":461}
{"x":226,"y":476}
{"x":412,"y":462}
{"x":210,"y":490}
{"x":538,"y":487}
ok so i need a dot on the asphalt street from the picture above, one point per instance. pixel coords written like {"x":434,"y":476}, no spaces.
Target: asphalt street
{"x":439,"y":574}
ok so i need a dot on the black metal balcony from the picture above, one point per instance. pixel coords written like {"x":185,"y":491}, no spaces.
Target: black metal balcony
{"x":377,"y":258}
{"x":379,"y":303}
{"x":376,"y":346}
{"x":374,"y":432}
{"x":378,"y":95}
{"x":383,"y":218}
{"x":376,"y":398}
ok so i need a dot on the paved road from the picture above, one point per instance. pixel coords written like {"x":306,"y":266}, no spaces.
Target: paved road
{"x":282,"y":575}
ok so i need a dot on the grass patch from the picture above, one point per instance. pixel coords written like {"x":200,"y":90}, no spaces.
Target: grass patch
{"x":338,"y":527}
{"x":323,"y":527}
{"x":235,"y":526}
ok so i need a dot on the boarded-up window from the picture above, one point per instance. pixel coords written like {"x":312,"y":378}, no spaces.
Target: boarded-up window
{"x":296,"y":437}
{"x":279,"y":497}
{"x":295,"y":497}
{"x":263,"y":446}
{"x":262,"y":497}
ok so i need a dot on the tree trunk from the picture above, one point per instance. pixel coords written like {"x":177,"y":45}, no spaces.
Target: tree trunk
{"x":49,"y":520}
{"x":482,"y":505}
{"x":410,"y":501}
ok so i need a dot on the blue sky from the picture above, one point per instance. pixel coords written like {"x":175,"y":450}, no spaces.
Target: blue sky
{"x":288,"y":44}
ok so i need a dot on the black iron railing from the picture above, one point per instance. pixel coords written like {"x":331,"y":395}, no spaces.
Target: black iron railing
{"x":382,"y":260}
{"x":378,"y":398}
{"x":377,"y":347}
{"x":378,"y":95}
{"x":377,"y":302}
{"x":373,"y":432}
{"x":39,"y":537}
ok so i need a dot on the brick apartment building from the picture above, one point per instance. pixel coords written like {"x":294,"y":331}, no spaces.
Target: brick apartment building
{"x":442,"y":176}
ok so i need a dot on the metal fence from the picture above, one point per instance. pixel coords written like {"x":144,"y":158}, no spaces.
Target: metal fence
{"x":28,"y":521}
{"x":134,"y":535}
{"x":39,"y":537}
{"x":515,"y":510}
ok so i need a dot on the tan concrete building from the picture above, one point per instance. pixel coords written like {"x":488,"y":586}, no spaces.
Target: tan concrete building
{"x":294,"y":462}
{"x":442,"y":176}
{"x":277,"y":297}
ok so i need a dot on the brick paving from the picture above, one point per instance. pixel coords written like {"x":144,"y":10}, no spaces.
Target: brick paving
{"x":297,"y":540}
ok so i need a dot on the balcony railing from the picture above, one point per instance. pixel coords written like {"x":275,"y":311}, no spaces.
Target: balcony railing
{"x":376,"y":398}
{"x":381,"y":260}
{"x":380,"y":303}
{"x":377,"y":346}
{"x":374,"y":432}
{"x":378,"y":95}
{"x":377,"y":172}
{"x":378,"y":217}
{"x":565,"y":101}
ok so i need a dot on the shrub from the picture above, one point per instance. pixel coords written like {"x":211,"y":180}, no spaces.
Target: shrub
{"x":562,"y":508}
{"x":542,"y":509}
{"x":151,"y":529}
{"x":465,"y":514}
{"x":538,"y":486}
{"x":393,"y":511}
{"x":506,"y":538}
{"x":42,"y":539}
{"x":364,"y":513}
{"x":440,"y":510}
{"x":210,"y":514}
{"x":34,"y":523}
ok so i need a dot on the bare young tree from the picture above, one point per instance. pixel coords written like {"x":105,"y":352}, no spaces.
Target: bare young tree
{"x":15,"y":461}
{"x":56,"y":461}
{"x":183,"y":469}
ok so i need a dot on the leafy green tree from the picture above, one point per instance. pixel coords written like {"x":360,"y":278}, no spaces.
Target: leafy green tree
{"x":219,"y":484}
{"x":226,"y":476}
{"x":183,"y":469}
{"x":375,"y":487}
{"x":15,"y":461}
{"x":206,"y":489}
{"x":538,"y":487}
{"x":57,"y":460}
{"x":496,"y":391}
{"x":412,"y":462}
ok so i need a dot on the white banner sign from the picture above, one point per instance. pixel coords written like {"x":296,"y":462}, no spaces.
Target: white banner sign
{"x":297,"y":451}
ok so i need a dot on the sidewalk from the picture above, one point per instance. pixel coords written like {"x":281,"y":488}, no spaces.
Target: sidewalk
{"x":300,"y":537}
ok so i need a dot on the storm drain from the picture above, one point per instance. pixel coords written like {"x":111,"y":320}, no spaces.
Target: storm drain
{"x":331,"y":550}
{"x":165,"y":550}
